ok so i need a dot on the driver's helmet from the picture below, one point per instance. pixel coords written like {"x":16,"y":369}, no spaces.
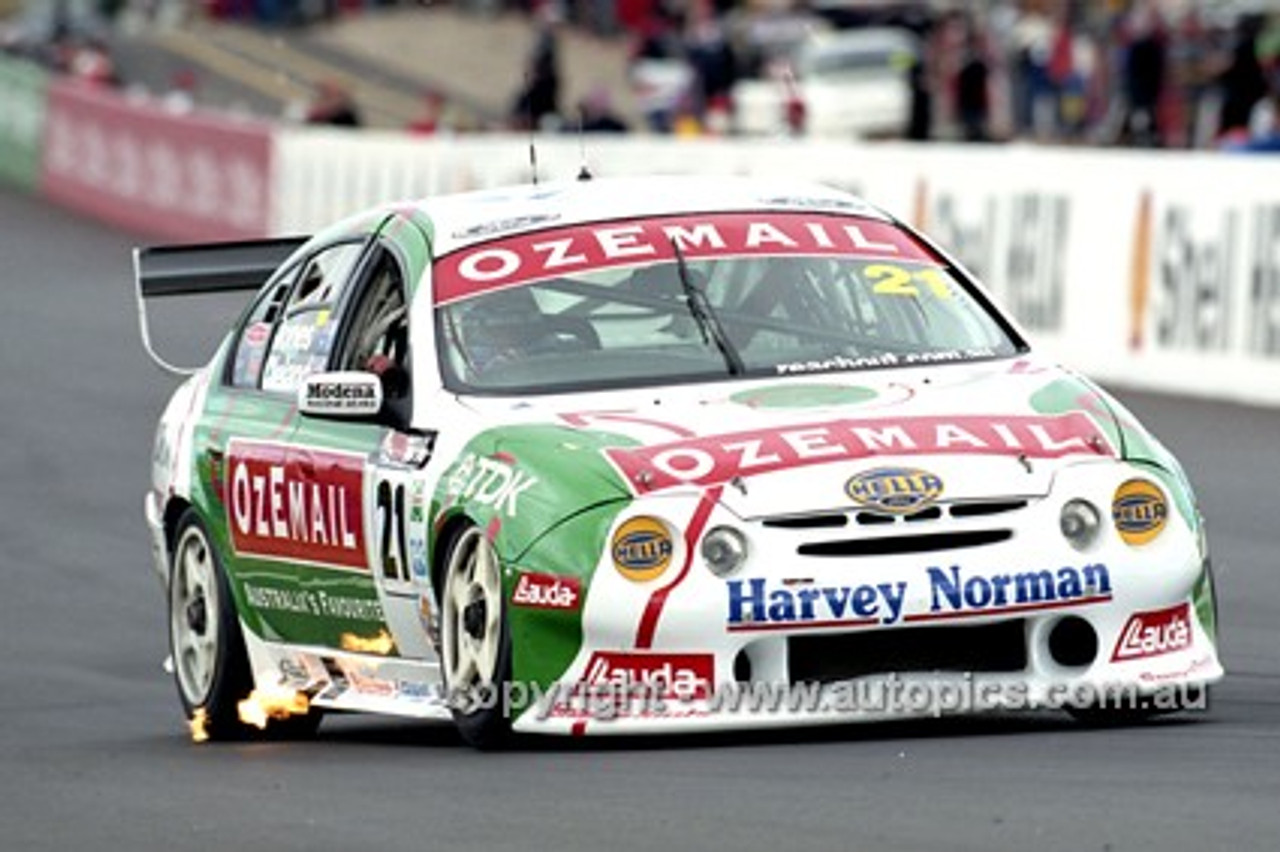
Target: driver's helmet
{"x":499,"y":327}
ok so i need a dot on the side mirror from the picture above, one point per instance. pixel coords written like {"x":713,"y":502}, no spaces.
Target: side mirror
{"x":350,"y":395}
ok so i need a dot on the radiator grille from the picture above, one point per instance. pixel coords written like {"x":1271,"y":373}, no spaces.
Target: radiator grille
{"x":827,"y":658}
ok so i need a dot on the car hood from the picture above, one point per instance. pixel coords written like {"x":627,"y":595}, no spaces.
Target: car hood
{"x":985,"y":431}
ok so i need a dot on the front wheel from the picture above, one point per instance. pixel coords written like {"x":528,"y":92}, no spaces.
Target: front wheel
{"x":475,"y":640}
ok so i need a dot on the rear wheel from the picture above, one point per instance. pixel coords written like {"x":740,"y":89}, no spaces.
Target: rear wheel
{"x":475,"y":640}
{"x":210,"y":665}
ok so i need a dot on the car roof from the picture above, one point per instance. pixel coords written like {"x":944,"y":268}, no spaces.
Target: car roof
{"x":866,"y":40}
{"x":458,"y":221}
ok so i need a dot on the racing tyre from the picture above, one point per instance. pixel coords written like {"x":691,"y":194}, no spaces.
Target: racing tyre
{"x":209,"y":660}
{"x":210,"y":664}
{"x":475,"y":640}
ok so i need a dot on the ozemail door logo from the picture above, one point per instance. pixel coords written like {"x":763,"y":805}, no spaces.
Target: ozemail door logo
{"x":759,"y":604}
{"x":296,"y":504}
{"x":899,"y":490}
{"x":712,"y":459}
{"x":1150,"y":634}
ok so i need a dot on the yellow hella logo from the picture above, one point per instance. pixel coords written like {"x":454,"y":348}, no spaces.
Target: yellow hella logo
{"x":894,"y":489}
{"x":1139,"y":511}
{"x":642,"y":549}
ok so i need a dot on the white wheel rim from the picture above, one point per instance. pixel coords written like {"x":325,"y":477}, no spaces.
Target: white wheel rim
{"x":193,"y":615}
{"x":472,"y":614}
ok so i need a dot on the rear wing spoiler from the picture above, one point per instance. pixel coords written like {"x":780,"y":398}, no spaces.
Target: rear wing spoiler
{"x":184,"y":270}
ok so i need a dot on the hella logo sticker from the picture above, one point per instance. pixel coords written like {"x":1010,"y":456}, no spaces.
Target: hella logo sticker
{"x":1139,"y":511}
{"x":642,"y":549}
{"x":894,"y":489}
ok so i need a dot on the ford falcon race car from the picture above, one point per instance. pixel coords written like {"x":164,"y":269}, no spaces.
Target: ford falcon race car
{"x":651,"y":455}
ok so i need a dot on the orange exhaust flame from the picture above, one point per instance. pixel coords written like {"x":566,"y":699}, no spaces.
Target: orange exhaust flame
{"x":263,"y":705}
{"x":381,"y":644}
{"x":199,"y":725}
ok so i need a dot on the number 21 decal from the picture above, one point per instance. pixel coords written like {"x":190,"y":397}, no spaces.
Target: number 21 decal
{"x":895,"y":281}
{"x":392,"y":551}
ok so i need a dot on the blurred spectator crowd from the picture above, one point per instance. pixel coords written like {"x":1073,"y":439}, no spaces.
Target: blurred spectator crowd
{"x":1147,"y":73}
{"x":1143,"y":73}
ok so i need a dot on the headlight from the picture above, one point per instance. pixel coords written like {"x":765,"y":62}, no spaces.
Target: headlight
{"x":724,"y":549}
{"x":1080,"y":521}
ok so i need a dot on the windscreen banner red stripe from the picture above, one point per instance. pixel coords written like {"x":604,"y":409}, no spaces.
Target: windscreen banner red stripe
{"x":602,"y":245}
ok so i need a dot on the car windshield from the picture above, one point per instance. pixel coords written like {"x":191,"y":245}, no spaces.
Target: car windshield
{"x":716,"y":297}
{"x":858,"y":53}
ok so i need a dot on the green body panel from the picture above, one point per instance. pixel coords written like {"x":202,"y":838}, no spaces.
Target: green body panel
{"x":1123,"y":429}
{"x":307,"y":604}
{"x":1073,"y":394}
{"x":559,"y":526}
{"x":413,"y":238}
{"x":1206,"y":605}
{"x":360,"y":224}
{"x":24,"y":95}
{"x":564,"y":470}
{"x":792,"y":395}
{"x":277,"y":599}
{"x":545,"y":641}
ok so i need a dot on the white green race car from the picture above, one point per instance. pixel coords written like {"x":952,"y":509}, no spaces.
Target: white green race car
{"x":650,"y":455}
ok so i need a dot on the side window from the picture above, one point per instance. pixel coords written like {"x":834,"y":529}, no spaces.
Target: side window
{"x":251,"y":349}
{"x":377,"y":339}
{"x":304,"y":335}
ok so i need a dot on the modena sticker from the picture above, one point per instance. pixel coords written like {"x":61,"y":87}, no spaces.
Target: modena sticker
{"x":758,"y":604}
{"x":715,"y":459}
{"x":295,"y":504}
{"x":564,"y":251}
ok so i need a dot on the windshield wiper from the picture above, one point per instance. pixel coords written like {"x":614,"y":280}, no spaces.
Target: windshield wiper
{"x":705,"y":316}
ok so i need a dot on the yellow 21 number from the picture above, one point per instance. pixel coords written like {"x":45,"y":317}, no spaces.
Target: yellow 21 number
{"x":896,"y":281}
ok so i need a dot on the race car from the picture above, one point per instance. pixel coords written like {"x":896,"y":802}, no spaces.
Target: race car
{"x":642,"y":455}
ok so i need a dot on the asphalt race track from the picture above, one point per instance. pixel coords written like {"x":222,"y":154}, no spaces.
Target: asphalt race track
{"x":95,"y":755}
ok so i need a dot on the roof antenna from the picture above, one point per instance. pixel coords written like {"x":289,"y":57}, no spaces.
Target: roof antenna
{"x":584,"y":172}
{"x":531,"y":120}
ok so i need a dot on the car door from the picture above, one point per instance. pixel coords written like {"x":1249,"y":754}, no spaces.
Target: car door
{"x":292,"y":513}
{"x":372,"y":336}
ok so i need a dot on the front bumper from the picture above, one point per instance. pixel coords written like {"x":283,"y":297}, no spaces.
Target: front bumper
{"x":805,"y":633}
{"x":153,"y":512}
